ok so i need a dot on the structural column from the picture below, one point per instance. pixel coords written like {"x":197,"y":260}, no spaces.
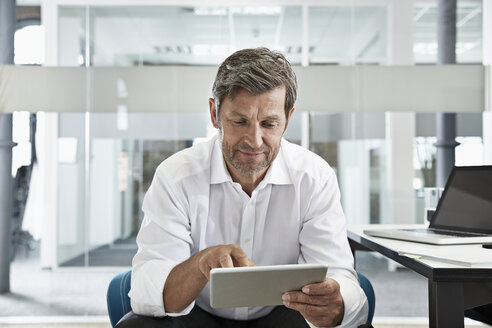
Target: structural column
{"x":398,"y":198}
{"x":445,"y":122}
{"x":7,"y":30}
{"x":6,"y":145}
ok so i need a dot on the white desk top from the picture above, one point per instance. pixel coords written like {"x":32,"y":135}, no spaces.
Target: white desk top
{"x":474,"y":256}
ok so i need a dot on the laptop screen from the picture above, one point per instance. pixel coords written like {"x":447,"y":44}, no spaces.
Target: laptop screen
{"x":466,"y":203}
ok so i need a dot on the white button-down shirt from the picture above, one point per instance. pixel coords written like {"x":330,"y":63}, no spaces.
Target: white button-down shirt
{"x":293,"y":216}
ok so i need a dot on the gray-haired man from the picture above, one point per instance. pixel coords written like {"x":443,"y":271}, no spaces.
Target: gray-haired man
{"x":245,"y":197}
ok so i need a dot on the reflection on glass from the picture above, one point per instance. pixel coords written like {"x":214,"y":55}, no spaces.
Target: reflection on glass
{"x":170,"y":35}
{"x":469,"y":152}
{"x":348,"y":35}
{"x":354,"y":145}
{"x":99,"y":215}
{"x":71,"y":36}
{"x":468,"y":29}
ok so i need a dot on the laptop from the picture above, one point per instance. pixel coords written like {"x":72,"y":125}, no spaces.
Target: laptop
{"x":463,"y":214}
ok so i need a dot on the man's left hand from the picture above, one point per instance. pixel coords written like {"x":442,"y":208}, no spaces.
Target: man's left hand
{"x":321,"y":303}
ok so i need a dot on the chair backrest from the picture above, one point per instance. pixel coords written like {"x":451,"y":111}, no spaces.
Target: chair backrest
{"x":119,"y":302}
{"x":366,"y":286}
{"x":117,"y":297}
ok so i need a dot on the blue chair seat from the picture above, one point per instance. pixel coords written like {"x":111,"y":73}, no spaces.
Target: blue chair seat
{"x":117,"y":297}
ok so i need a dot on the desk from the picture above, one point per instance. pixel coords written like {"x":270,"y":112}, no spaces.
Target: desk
{"x":452,"y":288}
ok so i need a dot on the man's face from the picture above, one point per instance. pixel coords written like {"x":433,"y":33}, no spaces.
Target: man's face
{"x":251,"y":128}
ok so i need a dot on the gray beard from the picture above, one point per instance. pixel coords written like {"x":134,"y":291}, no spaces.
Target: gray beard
{"x":238,"y":166}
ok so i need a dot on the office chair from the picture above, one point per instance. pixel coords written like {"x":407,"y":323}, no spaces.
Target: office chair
{"x":119,"y":303}
{"x":117,"y":297}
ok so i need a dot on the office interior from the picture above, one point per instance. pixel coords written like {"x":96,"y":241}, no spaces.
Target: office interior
{"x":99,"y":92}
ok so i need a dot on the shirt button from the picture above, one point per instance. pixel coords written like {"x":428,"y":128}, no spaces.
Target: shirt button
{"x":246,"y":240}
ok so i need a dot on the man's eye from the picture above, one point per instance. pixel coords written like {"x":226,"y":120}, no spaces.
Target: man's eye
{"x":239,"y":122}
{"x":269,"y":125}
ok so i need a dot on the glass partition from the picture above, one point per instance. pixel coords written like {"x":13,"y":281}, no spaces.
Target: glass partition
{"x":468,"y":27}
{"x":174,"y":35}
{"x":348,"y":35}
{"x":359,"y":147}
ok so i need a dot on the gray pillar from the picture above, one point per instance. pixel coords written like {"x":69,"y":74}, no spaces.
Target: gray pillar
{"x":7,"y":30}
{"x":446,"y":32}
{"x":446,"y":143}
{"x":6,"y":145}
{"x":445,"y":122}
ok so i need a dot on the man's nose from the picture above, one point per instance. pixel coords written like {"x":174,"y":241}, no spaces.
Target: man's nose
{"x":255,"y":137}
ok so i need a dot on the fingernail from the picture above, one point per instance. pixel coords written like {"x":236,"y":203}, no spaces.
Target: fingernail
{"x":305,"y":290}
{"x":286,"y":297}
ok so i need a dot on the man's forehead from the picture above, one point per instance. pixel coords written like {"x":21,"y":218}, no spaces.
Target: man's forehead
{"x":270,"y":102}
{"x":238,"y":90}
{"x":264,"y":114}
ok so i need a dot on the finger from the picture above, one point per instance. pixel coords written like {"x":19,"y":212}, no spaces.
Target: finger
{"x":326,"y":287}
{"x":225,"y":261}
{"x":301,"y":298}
{"x":307,"y":310}
{"x":240,"y":257}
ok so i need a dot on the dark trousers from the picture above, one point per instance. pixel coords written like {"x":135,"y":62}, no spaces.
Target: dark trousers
{"x":281,"y":317}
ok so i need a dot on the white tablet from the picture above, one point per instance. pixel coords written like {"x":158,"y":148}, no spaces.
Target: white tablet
{"x":260,"y":285}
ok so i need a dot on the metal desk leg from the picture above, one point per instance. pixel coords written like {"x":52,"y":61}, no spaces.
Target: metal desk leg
{"x":446,"y":305}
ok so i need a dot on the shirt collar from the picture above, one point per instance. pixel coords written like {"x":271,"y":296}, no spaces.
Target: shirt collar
{"x":218,"y":170}
{"x":278,"y":172}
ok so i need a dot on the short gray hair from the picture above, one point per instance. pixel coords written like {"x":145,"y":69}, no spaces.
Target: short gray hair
{"x":257,"y":71}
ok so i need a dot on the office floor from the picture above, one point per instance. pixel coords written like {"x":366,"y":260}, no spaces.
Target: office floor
{"x":76,"y":297}
{"x":63,"y":292}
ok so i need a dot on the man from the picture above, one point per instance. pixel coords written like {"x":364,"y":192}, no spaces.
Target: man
{"x":246,"y":197}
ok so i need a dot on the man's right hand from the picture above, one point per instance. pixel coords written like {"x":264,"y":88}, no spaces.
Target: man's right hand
{"x":186,"y":280}
{"x":222,"y":256}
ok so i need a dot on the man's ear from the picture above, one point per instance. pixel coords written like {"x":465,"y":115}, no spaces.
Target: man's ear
{"x":213,"y":113}
{"x":288,"y":118}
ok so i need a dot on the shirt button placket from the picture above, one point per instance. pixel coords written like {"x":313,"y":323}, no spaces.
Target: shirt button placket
{"x":247,"y":228}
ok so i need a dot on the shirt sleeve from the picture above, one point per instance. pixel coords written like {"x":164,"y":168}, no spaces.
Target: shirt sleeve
{"x":354,"y":300}
{"x":163,"y":242}
{"x":323,"y":239}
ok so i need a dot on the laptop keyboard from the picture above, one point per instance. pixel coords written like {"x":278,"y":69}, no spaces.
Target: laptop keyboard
{"x":447,"y":232}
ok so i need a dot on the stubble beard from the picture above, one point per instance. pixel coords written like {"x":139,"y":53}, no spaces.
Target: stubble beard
{"x":249,"y":167}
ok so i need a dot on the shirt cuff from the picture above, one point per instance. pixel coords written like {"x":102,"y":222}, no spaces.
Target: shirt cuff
{"x":356,"y":307}
{"x":147,"y":285}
